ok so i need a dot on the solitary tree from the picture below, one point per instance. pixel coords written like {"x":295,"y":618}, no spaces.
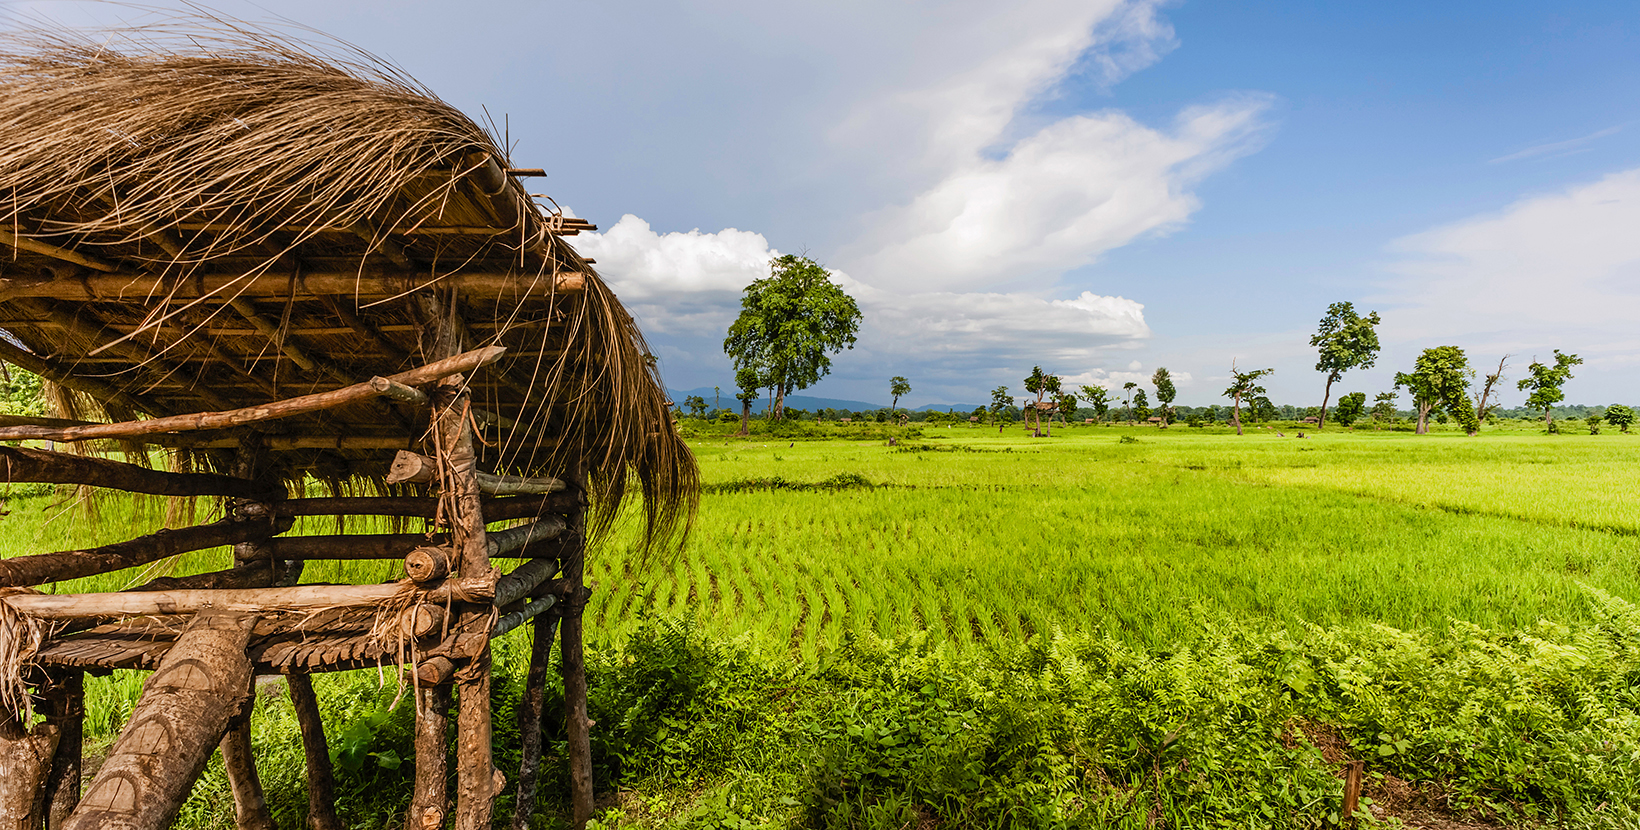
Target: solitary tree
{"x":1383,"y":407}
{"x":1620,"y":416}
{"x":1545,"y":383}
{"x":746,"y":378}
{"x":898,"y":386}
{"x":1484,"y":402}
{"x":1064,"y":405}
{"x":790,"y":322}
{"x":1127,"y":404}
{"x":717,"y":399}
{"x":1350,"y":407}
{"x":1043,"y":385}
{"x":1141,"y":405}
{"x":1243,"y":385}
{"x":1000,"y":400}
{"x":1344,"y":341}
{"x":1441,"y":378}
{"x":1098,"y":399}
{"x":1165,"y":393}
{"x":696,"y":405}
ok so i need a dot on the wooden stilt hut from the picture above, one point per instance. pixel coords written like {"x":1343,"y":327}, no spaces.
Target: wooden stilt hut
{"x":315,"y":290}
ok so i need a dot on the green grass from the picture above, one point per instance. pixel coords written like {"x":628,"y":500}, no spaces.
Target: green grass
{"x":827,"y":581}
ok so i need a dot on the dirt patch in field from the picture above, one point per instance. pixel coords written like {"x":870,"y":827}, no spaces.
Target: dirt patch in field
{"x":1421,"y":805}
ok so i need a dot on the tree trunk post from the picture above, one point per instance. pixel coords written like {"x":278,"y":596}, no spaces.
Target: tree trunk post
{"x":26,"y":758}
{"x":544,"y":628}
{"x":184,"y":710}
{"x":477,"y":780}
{"x":321,"y":778}
{"x":68,"y":709}
{"x":430,"y":802}
{"x":577,"y":726}
{"x":250,"y":804}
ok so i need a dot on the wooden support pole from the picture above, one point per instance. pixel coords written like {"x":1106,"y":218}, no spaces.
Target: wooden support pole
{"x":529,"y":719}
{"x":42,"y":568}
{"x":256,"y":414}
{"x":26,"y":753}
{"x":1352,"y":791}
{"x":250,"y":804}
{"x":22,"y":464}
{"x":577,"y":725}
{"x":523,"y":581}
{"x":430,"y":801}
{"x":184,"y":711}
{"x":531,"y":610}
{"x":321,"y":778}
{"x":68,"y":711}
{"x":504,"y":543}
{"x":412,"y":468}
{"x":398,"y":391}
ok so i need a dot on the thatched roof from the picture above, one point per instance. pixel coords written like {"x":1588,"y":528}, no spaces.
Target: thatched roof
{"x":203,"y":219}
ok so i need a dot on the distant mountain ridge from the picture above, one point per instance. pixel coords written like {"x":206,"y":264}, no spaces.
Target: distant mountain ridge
{"x":727,"y":401}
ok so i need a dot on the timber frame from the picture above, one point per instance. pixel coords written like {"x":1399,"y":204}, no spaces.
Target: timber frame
{"x":422,"y":346}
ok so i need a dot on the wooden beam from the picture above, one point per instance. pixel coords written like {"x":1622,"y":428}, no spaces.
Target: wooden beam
{"x":101,"y":337}
{"x":139,"y":287}
{"x":523,"y":581}
{"x":67,"y":709}
{"x":252,"y":600}
{"x":370,"y":331}
{"x":531,"y":610}
{"x":250,"y":803}
{"x":500,"y":544}
{"x":284,"y":340}
{"x":35,"y":246}
{"x":398,"y":391}
{"x":495,"y":510}
{"x":21,"y":464}
{"x":430,"y":800}
{"x":380,"y":243}
{"x":412,"y":468}
{"x":256,"y":414}
{"x":43,"y":568}
{"x":184,"y":710}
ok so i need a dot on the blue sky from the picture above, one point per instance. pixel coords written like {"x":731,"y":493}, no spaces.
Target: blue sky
{"x":1098,"y":187}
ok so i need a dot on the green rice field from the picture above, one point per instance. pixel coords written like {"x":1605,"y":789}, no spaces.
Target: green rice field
{"x":976,"y":538}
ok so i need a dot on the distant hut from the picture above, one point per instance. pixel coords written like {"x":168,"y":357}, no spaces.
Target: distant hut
{"x":317,"y":290}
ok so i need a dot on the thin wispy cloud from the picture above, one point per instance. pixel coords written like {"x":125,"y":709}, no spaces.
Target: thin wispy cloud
{"x":1559,"y":148}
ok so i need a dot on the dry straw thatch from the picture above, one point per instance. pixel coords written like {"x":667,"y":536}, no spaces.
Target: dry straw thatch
{"x":250,"y":151}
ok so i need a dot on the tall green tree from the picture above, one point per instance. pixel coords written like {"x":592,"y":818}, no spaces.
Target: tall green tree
{"x":1098,"y":399}
{"x":1165,"y":392}
{"x":696,"y":406}
{"x":1383,"y":407}
{"x":1344,"y":341}
{"x":898,"y":387}
{"x":1441,"y":378}
{"x":1620,"y":416}
{"x":1000,"y":400}
{"x":1545,"y":382}
{"x":748,"y":381}
{"x":1042,"y":385}
{"x":1127,"y":402}
{"x":1243,"y":386}
{"x":1064,"y":405}
{"x":1141,"y":406}
{"x":1350,"y":407}
{"x":790,"y":323}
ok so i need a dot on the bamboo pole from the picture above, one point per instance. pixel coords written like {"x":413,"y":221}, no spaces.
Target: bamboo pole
{"x":184,"y":710}
{"x":267,"y":412}
{"x":140,"y":287}
{"x":321,"y":777}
